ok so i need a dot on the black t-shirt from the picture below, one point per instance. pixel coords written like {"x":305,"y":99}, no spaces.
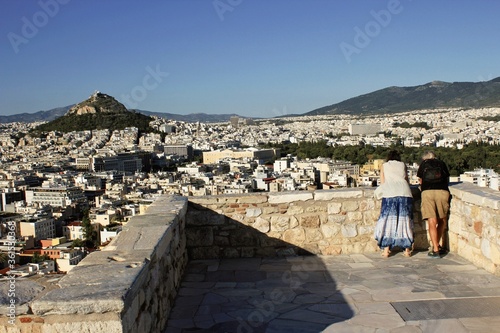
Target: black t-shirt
{"x":434,"y":174}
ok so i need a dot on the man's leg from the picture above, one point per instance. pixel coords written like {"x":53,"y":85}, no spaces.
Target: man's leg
{"x":441,"y":227}
{"x":433,"y":233}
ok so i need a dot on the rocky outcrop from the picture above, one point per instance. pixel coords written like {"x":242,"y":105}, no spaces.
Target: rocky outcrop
{"x":96,"y":103}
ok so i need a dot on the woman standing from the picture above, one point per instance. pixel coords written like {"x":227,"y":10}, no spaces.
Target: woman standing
{"x":395,"y":224}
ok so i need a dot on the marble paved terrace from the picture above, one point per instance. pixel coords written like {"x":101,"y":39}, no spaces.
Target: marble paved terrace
{"x":346,"y":293}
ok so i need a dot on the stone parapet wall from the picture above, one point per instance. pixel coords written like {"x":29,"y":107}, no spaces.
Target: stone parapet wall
{"x":128,"y":287}
{"x":326,"y":222}
{"x":131,"y":285}
{"x":474,"y":225}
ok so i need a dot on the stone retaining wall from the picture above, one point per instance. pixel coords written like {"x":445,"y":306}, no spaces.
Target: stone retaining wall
{"x":474,"y":225}
{"x":127,"y":288}
{"x":326,"y":222}
{"x":131,"y":285}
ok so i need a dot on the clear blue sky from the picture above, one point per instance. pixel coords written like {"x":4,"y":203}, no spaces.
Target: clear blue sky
{"x":258,"y":58}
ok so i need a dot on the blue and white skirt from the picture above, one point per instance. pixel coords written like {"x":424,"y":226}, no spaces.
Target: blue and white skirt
{"x":395,"y":223}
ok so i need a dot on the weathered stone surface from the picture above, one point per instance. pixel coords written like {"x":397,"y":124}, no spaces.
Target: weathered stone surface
{"x":349,"y":230}
{"x":21,"y":291}
{"x":309,"y":221}
{"x":147,"y":259}
{"x":204,"y":218}
{"x":262,"y":225}
{"x":290,"y":197}
{"x":350,"y":206}
{"x":253,"y":212}
{"x":334,"y":207}
{"x":280,"y":223}
{"x":202,"y":236}
{"x":294,"y":236}
{"x":243,"y":237}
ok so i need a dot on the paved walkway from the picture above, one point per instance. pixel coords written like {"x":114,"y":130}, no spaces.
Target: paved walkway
{"x":347,"y":293}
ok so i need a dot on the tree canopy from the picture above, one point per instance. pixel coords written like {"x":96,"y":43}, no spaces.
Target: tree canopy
{"x":471,"y":156}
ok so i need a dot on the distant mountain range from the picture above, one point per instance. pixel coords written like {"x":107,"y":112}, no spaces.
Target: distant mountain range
{"x":432,"y":95}
{"x":52,"y":114}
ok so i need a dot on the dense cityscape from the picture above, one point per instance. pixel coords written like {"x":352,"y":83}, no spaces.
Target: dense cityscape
{"x":71,"y":193}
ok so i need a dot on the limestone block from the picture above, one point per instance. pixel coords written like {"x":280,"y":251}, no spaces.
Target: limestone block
{"x":280,"y":223}
{"x":313,"y":235}
{"x":371,"y":217}
{"x":262,"y":225}
{"x":365,"y":205}
{"x":203,"y":200}
{"x":231,"y":198}
{"x":221,"y":241}
{"x":253,"y":198}
{"x":366,"y":230}
{"x":350,"y":193}
{"x":203,"y":218}
{"x":355,"y":216}
{"x":486,"y":248}
{"x":454,"y":223}
{"x":349,"y":230}
{"x":269,"y":210}
{"x":331,"y":250}
{"x":311,"y":248}
{"x":330,"y":230}
{"x":230,"y":252}
{"x":270,"y":239}
{"x":295,"y":209}
{"x":325,"y":195}
{"x":206,"y":252}
{"x":490,"y":231}
{"x":295,"y":236}
{"x":253,"y":212}
{"x":495,"y":254}
{"x":350,"y":206}
{"x":294,"y":222}
{"x":201,"y":236}
{"x":25,"y":290}
{"x":316,"y":208}
{"x":336,"y":218}
{"x":237,"y":217}
{"x":247,"y":252}
{"x":453,"y":241}
{"x":309,"y":220}
{"x":290,"y":197}
{"x":243,"y":237}
{"x":334,"y":207}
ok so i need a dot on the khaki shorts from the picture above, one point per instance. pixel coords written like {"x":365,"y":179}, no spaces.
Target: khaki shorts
{"x":435,"y":204}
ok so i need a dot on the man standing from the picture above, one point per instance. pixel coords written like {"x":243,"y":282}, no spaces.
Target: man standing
{"x":434,"y":178}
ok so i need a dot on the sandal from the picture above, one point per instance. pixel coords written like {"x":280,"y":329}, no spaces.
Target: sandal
{"x":407,"y":253}
{"x":386,"y":253}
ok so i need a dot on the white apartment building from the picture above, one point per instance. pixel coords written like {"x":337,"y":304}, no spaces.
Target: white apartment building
{"x":364,"y":129}
{"x":482,"y":178}
{"x":42,"y":228}
{"x":55,"y":196}
{"x":281,"y":165}
{"x":69,"y":259}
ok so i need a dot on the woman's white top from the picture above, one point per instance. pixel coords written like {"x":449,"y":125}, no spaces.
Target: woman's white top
{"x":395,"y":184}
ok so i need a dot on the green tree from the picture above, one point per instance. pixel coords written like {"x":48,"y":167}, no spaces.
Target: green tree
{"x":39,"y":258}
{"x":4,"y":257}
